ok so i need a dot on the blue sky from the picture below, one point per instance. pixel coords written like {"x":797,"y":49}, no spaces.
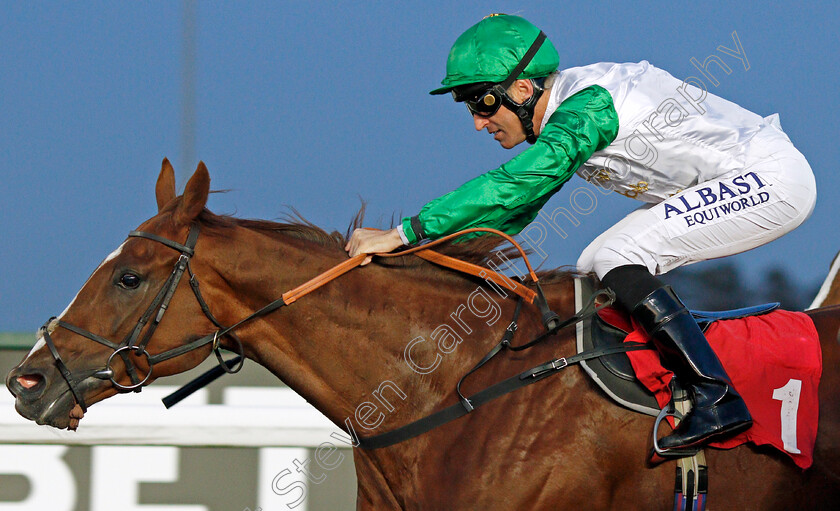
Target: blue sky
{"x":318,"y":104}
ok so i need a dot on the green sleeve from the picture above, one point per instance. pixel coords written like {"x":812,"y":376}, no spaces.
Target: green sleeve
{"x":509,"y":197}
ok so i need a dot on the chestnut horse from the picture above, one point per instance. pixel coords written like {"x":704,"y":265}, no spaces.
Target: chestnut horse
{"x":356,"y":348}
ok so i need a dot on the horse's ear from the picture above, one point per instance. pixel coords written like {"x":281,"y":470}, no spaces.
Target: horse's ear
{"x":195,"y":195}
{"x":165,"y":188}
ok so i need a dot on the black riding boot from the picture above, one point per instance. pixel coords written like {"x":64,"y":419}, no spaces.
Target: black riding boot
{"x":717,"y":408}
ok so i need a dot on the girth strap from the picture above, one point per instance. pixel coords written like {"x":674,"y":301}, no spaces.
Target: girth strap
{"x":692,"y":478}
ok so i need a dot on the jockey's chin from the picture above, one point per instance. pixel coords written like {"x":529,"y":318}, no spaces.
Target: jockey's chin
{"x":507,"y":141}
{"x":507,"y":136}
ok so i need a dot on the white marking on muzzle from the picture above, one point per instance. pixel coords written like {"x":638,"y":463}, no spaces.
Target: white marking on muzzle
{"x":38,"y":345}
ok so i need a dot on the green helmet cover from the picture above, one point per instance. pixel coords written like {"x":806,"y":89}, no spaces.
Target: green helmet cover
{"x":489,"y":51}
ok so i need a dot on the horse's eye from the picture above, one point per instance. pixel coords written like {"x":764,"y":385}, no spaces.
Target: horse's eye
{"x":129,"y":280}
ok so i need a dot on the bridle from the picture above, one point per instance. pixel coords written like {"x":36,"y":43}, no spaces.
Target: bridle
{"x":151,"y":318}
{"x":159,"y":305}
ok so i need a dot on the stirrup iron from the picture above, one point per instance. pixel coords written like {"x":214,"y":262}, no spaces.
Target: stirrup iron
{"x":669,"y":411}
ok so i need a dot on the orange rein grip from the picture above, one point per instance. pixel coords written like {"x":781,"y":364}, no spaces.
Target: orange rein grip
{"x":473,"y":269}
{"x":333,"y":273}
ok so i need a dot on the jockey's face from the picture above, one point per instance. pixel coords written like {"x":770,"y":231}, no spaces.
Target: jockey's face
{"x":504,"y":125}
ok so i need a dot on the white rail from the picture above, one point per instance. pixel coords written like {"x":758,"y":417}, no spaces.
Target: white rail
{"x":250,"y":417}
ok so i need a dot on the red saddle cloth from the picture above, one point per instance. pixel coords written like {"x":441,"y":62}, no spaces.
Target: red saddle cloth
{"x":775,"y":363}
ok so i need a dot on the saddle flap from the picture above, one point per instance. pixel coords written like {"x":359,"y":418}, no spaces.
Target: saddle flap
{"x":612,"y":373}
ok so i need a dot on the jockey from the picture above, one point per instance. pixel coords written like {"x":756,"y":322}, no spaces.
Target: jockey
{"x":715,"y":180}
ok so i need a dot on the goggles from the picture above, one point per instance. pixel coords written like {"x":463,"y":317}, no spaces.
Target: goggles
{"x":485,"y":105}
{"x":482,"y":99}
{"x":485,"y":99}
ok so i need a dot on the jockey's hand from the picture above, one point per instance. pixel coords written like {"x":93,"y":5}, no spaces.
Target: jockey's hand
{"x":372,"y":241}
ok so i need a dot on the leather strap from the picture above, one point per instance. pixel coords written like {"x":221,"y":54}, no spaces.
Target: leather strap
{"x":692,"y":482}
{"x":457,"y":410}
{"x":188,"y":249}
{"x":62,"y":368}
{"x":523,"y":63}
{"x":507,"y":337}
{"x":478,"y":271}
{"x":333,"y":273}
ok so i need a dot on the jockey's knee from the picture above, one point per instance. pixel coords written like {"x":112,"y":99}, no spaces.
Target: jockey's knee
{"x":616,"y":252}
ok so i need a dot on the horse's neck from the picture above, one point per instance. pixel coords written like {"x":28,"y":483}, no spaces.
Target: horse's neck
{"x":375,"y":341}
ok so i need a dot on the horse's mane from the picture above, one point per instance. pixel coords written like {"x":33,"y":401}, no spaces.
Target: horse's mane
{"x":478,"y":250}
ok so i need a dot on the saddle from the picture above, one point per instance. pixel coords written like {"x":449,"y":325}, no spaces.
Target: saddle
{"x":614,"y":373}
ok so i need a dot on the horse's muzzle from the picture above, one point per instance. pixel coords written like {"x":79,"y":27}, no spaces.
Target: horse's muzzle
{"x":26,"y":385}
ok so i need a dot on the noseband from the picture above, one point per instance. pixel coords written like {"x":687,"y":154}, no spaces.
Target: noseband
{"x":152,"y":317}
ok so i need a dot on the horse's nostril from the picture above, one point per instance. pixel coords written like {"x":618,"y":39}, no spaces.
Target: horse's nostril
{"x":28,"y":381}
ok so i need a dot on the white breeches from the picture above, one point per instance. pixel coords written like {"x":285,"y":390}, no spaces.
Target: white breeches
{"x":773,"y":194}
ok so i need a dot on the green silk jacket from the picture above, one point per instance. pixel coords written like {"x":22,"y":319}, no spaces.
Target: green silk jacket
{"x":508,"y":198}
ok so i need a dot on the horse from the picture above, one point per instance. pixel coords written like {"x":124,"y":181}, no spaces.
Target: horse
{"x":385,"y":345}
{"x":829,"y":293}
